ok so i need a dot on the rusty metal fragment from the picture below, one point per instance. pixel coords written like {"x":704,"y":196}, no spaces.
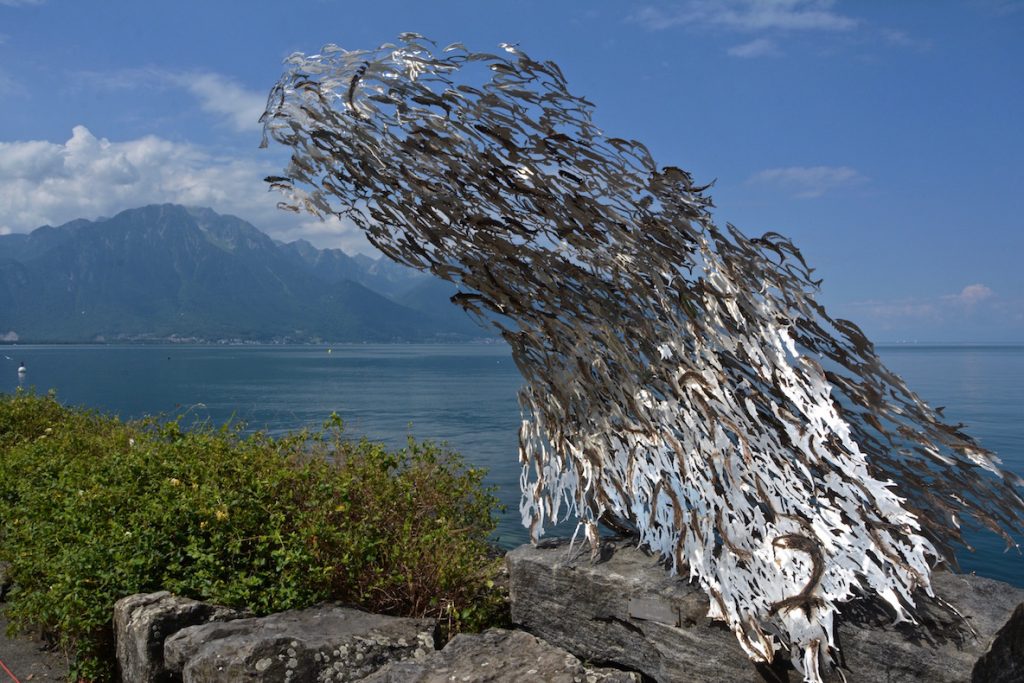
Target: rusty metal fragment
{"x":681,"y":379}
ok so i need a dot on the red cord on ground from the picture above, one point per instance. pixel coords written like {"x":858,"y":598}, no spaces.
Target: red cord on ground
{"x":9,"y":672}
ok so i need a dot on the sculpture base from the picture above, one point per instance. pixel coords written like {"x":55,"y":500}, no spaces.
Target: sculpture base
{"x":626,"y":610}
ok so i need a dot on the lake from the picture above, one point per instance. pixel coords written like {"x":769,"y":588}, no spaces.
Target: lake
{"x":463,"y":394}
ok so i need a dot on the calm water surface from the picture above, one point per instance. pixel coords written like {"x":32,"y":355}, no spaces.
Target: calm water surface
{"x":462,"y":394}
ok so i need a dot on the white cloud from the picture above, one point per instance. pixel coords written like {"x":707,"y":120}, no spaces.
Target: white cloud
{"x":972,"y":300}
{"x":902,"y":39}
{"x":1001,"y":8}
{"x":898,"y":309}
{"x":759,"y":47}
{"x":971,"y":295}
{"x":43,"y":182}
{"x":747,"y":15}
{"x":224,"y":97}
{"x":896,"y":37}
{"x":807,"y":182}
{"x":216,"y":94}
{"x":331,"y":231}
{"x":21,"y":3}
{"x":976,"y":313}
{"x":4,"y":230}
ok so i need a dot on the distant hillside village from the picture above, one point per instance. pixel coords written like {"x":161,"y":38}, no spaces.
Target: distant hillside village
{"x":167,"y":273}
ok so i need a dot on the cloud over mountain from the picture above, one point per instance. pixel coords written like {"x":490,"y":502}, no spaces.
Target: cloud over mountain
{"x":43,"y":182}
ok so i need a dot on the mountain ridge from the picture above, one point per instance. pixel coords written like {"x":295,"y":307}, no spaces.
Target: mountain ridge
{"x":169,"y":272}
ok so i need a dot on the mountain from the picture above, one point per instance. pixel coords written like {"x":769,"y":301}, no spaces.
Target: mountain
{"x":170,"y":272}
{"x":333,"y":265}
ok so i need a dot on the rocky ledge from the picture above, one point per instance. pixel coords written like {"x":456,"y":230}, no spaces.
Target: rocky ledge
{"x":617,"y":620}
{"x":325,"y":643}
{"x":626,"y":609}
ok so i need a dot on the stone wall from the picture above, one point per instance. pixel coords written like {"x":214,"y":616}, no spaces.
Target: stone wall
{"x":325,"y":643}
{"x":621,"y":619}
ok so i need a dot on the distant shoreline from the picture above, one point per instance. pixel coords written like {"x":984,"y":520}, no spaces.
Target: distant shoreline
{"x":482,"y":341}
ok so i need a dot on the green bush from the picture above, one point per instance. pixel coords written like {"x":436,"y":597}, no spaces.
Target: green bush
{"x":93,"y":509}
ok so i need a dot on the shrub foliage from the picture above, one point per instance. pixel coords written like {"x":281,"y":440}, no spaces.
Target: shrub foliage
{"x":93,"y":509}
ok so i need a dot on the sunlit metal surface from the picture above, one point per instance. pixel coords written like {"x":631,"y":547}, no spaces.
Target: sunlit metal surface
{"x":681,"y":380}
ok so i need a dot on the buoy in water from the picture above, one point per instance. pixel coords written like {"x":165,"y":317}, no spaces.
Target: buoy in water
{"x":22,"y":369}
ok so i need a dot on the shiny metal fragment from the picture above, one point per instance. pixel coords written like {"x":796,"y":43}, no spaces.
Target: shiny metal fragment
{"x":681,"y":380}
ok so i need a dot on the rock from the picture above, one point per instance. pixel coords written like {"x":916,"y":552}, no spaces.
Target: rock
{"x":141,"y":624}
{"x":1004,"y":662}
{"x":946,"y":650}
{"x":323,"y":643}
{"x":497,"y":656}
{"x":626,"y":609}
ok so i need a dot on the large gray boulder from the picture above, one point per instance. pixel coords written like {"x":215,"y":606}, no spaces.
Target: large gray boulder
{"x":1004,"y":662}
{"x":628,"y":610}
{"x":143,"y":621}
{"x":322,"y":643}
{"x":498,"y":656}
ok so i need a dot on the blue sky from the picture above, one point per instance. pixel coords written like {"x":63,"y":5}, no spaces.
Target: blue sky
{"x":885,"y":138}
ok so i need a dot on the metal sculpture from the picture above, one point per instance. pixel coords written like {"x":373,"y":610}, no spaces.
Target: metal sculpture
{"x":681,"y":380}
